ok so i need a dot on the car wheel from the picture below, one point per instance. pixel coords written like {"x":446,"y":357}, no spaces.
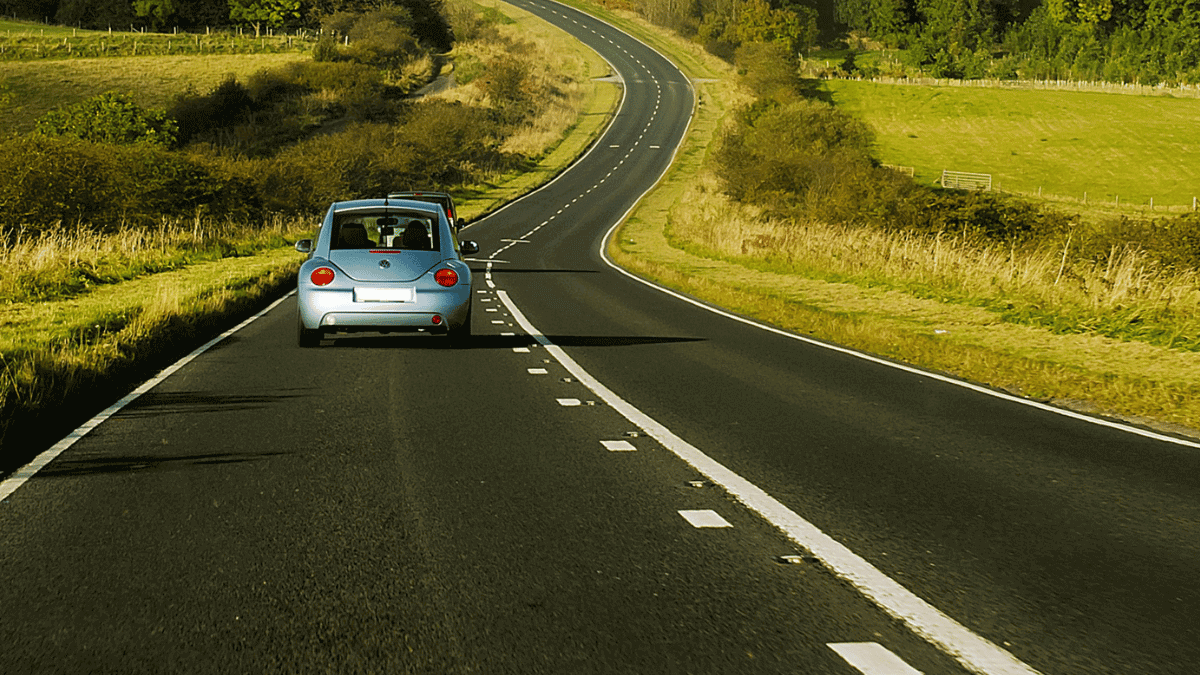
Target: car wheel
{"x":305,"y":337}
{"x":461,"y":336}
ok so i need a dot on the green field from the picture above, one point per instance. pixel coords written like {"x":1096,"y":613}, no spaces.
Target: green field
{"x":35,"y":87}
{"x":1059,"y":143}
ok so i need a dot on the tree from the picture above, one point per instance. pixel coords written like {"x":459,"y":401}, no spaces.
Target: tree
{"x":257,"y":12}
{"x":759,"y":22}
{"x":157,"y":11}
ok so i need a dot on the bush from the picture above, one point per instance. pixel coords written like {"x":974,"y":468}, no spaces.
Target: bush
{"x":111,"y":117}
{"x":45,"y":181}
{"x":197,"y":115}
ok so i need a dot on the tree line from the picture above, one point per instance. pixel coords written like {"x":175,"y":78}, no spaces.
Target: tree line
{"x":1131,"y":41}
{"x":426,"y":18}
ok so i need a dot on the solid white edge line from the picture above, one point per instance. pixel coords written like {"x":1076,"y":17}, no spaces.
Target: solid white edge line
{"x":893,"y":364}
{"x":872,"y":658}
{"x":14,"y":482}
{"x":972,"y":651}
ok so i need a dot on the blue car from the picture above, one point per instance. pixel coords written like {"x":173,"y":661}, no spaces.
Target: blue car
{"x":384,"y":265}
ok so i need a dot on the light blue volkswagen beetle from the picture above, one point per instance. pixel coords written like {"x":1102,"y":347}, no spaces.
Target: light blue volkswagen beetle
{"x":384,"y":265}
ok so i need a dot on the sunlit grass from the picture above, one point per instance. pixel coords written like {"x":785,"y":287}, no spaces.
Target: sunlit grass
{"x":1105,"y":148}
{"x":36,"y":87}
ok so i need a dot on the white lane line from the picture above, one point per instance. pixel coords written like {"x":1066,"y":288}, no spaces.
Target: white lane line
{"x":15,"y":481}
{"x":872,"y":658}
{"x":498,"y":322}
{"x":536,"y":371}
{"x":705,"y":518}
{"x":521,"y":350}
{"x":618,"y":446}
{"x":569,"y":402}
{"x":972,"y":651}
{"x":491,"y":309}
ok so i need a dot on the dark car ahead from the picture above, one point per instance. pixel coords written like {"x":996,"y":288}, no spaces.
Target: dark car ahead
{"x":442,"y":199}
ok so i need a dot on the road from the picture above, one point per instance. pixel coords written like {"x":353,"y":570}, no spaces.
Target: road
{"x":611,"y":479}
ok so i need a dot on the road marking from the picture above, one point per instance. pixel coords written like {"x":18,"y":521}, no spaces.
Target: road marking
{"x":569,"y":402}
{"x":14,"y":482}
{"x":618,"y":446}
{"x":536,"y":371}
{"x":705,"y":518}
{"x":872,"y":658}
{"x":928,"y":622}
{"x":521,"y":350}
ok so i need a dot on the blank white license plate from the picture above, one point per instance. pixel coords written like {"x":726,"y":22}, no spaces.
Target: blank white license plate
{"x":383,"y":295}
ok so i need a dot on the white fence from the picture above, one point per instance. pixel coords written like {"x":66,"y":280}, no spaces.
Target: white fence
{"x":962,"y":180}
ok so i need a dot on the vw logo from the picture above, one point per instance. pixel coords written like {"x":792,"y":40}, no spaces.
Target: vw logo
{"x":384,"y":264}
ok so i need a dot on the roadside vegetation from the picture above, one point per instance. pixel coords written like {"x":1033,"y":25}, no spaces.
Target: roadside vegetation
{"x":131,"y":231}
{"x":781,"y":210}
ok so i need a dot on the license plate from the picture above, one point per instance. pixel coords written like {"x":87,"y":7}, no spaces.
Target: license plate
{"x":383,"y":295}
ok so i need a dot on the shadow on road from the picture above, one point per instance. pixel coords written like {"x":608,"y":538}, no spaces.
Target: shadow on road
{"x":156,"y":403}
{"x":74,"y":465}
{"x":425,"y":341}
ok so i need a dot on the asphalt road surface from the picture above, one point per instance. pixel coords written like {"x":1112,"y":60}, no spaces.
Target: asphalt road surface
{"x":610,"y":479}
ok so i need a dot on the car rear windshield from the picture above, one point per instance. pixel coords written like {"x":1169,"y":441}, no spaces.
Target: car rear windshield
{"x":385,"y":230}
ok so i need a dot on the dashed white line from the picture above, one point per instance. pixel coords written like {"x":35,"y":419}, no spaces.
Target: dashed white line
{"x":975,"y":653}
{"x":872,"y":658}
{"x":569,"y":402}
{"x":536,"y":371}
{"x":618,"y":446}
{"x":704,"y":518}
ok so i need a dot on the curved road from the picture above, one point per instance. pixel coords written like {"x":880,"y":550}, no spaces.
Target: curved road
{"x":611,"y":480}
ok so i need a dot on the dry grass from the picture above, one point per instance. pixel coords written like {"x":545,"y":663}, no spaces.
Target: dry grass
{"x":1126,"y":295}
{"x":61,"y":263}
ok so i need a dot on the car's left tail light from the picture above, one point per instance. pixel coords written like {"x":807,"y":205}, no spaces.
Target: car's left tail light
{"x":322,"y":276}
{"x":446,"y":278}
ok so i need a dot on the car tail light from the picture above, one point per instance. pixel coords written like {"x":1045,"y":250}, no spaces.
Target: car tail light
{"x":446,"y":278}
{"x":437,"y":319}
{"x":322,"y":276}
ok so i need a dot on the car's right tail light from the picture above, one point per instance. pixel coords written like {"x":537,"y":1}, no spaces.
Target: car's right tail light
{"x":445,"y":277}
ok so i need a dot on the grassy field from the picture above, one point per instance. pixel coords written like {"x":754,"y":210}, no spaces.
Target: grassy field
{"x":1062,"y":144}
{"x":35,"y":87}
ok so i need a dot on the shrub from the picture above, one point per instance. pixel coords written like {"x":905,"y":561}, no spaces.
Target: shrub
{"x":111,"y":117}
{"x":47,"y":180}
{"x":226,"y":105}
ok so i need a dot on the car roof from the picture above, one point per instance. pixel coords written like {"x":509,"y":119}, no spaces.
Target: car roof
{"x":409,"y":204}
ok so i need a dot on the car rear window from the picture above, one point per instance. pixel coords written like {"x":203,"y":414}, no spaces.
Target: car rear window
{"x":385,"y":230}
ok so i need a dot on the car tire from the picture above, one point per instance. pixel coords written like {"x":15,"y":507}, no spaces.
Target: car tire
{"x":461,"y":336}
{"x":305,"y":337}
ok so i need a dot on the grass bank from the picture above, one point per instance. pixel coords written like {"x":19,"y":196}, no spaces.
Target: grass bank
{"x":671,"y":238}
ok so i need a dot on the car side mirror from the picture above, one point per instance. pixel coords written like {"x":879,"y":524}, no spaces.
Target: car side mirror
{"x":468,"y":247}
{"x":304,"y":246}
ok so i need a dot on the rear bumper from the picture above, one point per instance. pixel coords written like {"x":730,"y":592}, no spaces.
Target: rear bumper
{"x":335,"y":310}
